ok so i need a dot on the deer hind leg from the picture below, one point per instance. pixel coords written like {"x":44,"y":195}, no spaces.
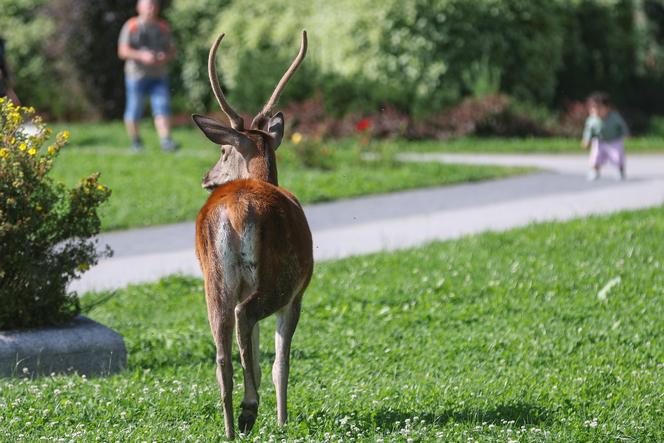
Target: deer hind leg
{"x":247,"y":339}
{"x":221,"y":324}
{"x":287,"y":320}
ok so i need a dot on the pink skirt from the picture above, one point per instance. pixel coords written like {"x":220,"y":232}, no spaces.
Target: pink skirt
{"x":613,"y":151}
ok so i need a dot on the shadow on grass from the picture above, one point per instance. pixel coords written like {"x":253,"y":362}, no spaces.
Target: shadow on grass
{"x":519,"y":413}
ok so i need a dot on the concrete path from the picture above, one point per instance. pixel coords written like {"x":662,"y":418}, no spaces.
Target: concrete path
{"x":405,"y":219}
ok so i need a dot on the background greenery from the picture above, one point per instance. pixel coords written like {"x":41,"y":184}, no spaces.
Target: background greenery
{"x":418,"y":55}
{"x":492,"y":338}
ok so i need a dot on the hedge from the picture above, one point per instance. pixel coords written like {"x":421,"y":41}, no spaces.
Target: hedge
{"x":420,"y":56}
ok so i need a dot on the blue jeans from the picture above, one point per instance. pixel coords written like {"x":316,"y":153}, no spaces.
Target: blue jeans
{"x":137,"y":89}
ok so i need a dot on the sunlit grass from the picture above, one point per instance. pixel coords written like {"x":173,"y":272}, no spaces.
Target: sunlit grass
{"x":525,"y":145}
{"x":494,"y":338}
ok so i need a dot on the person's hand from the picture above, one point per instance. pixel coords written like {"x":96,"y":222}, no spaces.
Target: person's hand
{"x":584,"y":145}
{"x":147,"y":57}
{"x":161,"y":58}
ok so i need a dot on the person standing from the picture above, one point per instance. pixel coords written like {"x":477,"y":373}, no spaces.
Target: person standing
{"x":605,"y":132}
{"x":146,"y":45}
{"x":6,"y":89}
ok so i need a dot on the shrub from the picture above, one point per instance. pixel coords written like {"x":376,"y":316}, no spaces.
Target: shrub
{"x":310,"y":153}
{"x":45,"y":228}
{"x":463,"y":119}
{"x":491,"y":115}
{"x":518,"y":120}
{"x":572,"y":118}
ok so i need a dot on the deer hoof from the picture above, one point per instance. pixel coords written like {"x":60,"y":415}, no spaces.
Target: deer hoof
{"x":246,"y":421}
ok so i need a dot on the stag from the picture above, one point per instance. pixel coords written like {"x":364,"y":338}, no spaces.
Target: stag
{"x":254,"y":247}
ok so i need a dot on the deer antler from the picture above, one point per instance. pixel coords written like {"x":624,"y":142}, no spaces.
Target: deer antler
{"x":259,"y":120}
{"x":236,"y":121}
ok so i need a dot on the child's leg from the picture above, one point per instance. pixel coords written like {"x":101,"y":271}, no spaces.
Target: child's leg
{"x":597,"y":154}
{"x":616,"y":154}
{"x":596,"y":159}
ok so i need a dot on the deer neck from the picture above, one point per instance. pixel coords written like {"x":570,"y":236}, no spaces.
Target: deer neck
{"x":264,"y":167}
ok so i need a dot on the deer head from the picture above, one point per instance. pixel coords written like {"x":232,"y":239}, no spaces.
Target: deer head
{"x":245,"y":153}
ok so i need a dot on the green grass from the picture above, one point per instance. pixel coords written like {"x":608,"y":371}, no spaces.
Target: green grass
{"x":525,"y":145}
{"x":490,"y":338}
{"x":154,"y":188}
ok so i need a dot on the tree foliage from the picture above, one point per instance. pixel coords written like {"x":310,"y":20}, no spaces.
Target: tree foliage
{"x":420,"y":56}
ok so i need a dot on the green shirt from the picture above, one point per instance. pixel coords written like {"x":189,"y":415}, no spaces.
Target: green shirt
{"x":613,"y":127}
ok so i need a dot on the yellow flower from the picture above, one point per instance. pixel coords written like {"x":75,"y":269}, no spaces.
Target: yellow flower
{"x":296,"y":137}
{"x":101,"y":187}
{"x":65,"y":135}
{"x":4,"y":153}
{"x":52,"y":149}
{"x":32,"y":151}
{"x":23,"y":147}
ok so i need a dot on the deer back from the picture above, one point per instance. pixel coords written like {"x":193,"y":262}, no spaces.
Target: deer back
{"x":256,"y":236}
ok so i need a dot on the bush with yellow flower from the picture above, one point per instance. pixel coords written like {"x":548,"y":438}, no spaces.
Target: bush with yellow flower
{"x":46,"y":230}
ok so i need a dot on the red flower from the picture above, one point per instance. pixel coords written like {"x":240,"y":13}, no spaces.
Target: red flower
{"x":362,"y":125}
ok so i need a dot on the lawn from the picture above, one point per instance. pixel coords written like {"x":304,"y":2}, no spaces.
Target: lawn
{"x":154,"y":188}
{"x":497,"y":337}
{"x":525,"y":145}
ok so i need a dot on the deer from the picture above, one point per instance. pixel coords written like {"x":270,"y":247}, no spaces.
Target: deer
{"x":253,"y":245}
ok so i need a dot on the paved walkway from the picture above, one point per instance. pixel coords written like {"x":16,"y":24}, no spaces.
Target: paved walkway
{"x":405,"y":219}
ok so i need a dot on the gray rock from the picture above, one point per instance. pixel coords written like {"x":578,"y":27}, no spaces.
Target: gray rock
{"x":83,"y":346}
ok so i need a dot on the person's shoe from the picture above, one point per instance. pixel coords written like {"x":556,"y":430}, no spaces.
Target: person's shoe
{"x":593,"y":175}
{"x":169,"y":145}
{"x":137,"y":145}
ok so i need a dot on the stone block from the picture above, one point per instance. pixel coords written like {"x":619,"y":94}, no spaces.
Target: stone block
{"x":82,"y":346}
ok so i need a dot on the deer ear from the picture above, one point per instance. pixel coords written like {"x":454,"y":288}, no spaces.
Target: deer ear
{"x":217,"y":133}
{"x":275,"y":128}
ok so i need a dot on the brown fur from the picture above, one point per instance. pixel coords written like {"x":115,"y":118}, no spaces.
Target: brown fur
{"x":254,"y":246}
{"x":286,"y":256}
{"x":284,"y":269}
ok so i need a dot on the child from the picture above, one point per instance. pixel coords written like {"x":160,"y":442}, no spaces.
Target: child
{"x":604,"y":133}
